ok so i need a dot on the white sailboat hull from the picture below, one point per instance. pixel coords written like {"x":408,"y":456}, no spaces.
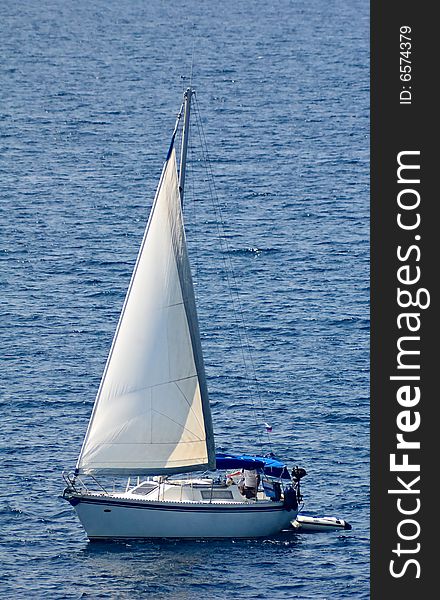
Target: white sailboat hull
{"x":109,"y":517}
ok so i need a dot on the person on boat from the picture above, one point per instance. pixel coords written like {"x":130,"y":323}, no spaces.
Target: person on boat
{"x":248,"y":486}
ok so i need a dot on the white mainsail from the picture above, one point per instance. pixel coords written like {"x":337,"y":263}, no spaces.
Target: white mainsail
{"x":152,"y":414}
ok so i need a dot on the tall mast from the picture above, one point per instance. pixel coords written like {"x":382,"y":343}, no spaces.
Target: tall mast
{"x":187,"y":109}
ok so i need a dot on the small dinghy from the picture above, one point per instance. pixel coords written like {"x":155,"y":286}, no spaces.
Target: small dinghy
{"x":307,"y":524}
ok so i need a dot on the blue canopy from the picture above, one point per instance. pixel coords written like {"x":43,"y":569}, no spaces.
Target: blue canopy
{"x":268,"y":465}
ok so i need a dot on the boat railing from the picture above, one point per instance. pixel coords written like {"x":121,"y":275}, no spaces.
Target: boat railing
{"x":76,"y":484}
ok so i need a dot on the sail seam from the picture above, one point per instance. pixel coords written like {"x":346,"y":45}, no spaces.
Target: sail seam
{"x":156,"y":385}
{"x":180,"y":425}
{"x":188,"y":402}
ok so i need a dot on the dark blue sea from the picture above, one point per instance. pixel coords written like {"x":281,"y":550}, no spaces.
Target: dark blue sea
{"x":89,"y":92}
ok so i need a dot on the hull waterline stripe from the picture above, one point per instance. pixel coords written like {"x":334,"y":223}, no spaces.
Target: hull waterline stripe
{"x":202,"y":509}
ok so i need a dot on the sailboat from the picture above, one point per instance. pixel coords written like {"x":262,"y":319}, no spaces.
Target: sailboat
{"x":151,"y":420}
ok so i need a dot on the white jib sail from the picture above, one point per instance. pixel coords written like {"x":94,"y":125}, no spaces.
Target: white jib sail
{"x":151,"y":414}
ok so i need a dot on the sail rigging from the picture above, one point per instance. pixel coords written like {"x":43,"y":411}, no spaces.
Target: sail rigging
{"x":151,"y":414}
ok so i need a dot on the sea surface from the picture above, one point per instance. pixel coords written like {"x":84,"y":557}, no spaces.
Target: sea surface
{"x":89,"y":92}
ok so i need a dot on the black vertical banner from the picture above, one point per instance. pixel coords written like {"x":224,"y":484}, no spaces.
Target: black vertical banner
{"x":404,"y":324}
